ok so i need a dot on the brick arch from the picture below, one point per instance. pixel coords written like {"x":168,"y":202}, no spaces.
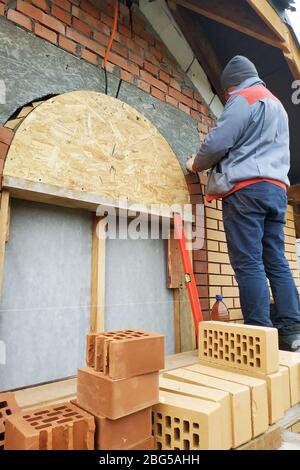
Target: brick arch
{"x":8,"y":130}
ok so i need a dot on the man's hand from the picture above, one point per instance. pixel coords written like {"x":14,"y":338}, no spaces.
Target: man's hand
{"x":190,"y":163}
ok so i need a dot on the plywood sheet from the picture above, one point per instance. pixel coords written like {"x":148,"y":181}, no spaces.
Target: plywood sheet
{"x":94,"y":143}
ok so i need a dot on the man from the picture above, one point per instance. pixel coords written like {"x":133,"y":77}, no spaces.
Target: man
{"x":248,"y":153}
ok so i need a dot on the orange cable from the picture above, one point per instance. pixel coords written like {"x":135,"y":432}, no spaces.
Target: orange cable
{"x":111,"y":40}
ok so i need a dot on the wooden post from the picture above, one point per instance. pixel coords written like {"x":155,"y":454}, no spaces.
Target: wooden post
{"x":4,"y":222}
{"x":98,"y":276}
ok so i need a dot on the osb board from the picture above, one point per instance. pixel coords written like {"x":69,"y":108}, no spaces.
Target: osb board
{"x":94,"y":143}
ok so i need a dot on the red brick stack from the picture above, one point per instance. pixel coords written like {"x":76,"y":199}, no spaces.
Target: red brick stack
{"x":120,"y":385}
{"x":61,"y":427}
{"x":8,"y":406}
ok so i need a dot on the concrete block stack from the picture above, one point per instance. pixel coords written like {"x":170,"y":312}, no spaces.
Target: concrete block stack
{"x":241,"y":372}
{"x":119,"y":386}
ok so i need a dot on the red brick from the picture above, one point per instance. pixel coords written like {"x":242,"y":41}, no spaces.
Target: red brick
{"x":125,"y":353}
{"x":141,"y":42}
{"x":201,"y":279}
{"x":188,"y":92}
{"x":180,"y":97}
{"x":125,"y":31}
{"x":102,"y":38}
{"x":196,"y":199}
{"x":175,"y":84}
{"x":184,"y":108}
{"x":84,"y":41}
{"x":147,"y":444}
{"x":90,"y":56}
{"x":45,"y":33}
{"x":42,"y":4}
{"x":127,"y":76}
{"x":111,"y":68}
{"x":3,"y":150}
{"x":89,"y":8}
{"x":195,"y":188}
{"x":59,"y":427}
{"x":104,"y":29}
{"x":151,"y":58}
{"x":123,"y":433}
{"x":40,"y":16}
{"x":202,"y":292}
{"x":151,"y":68}
{"x":114,"y":399}
{"x":64,"y":4}
{"x":81,"y":15}
{"x":172,"y":101}
{"x":143,"y":86}
{"x":19,"y":19}
{"x":203,"y":128}
{"x":124,"y":64}
{"x":153,"y":81}
{"x":8,"y":406}
{"x":82,"y":27}
{"x":107,"y":20}
{"x":67,"y":44}
{"x":120,"y":50}
{"x":165,"y":77}
{"x":195,"y":115}
{"x":61,"y":14}
{"x":191,"y":178}
{"x":136,"y":59}
{"x":200,"y":266}
{"x":6,"y":135}
{"x":200,"y":255}
{"x":158,"y":94}
{"x":2,"y":9}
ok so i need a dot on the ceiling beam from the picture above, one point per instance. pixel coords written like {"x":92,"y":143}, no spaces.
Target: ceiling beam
{"x":236,"y":15}
{"x":192,"y":30}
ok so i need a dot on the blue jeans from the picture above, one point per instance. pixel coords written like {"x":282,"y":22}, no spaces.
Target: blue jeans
{"x":254,"y":219}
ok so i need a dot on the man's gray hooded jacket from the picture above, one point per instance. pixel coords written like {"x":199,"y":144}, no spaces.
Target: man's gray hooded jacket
{"x":251,"y":139}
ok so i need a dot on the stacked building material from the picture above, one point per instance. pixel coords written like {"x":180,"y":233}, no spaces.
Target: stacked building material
{"x":120,"y":385}
{"x":242,"y":373}
{"x":8,"y":406}
{"x":61,"y":427}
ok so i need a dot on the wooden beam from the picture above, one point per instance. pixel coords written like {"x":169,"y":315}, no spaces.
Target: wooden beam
{"x":192,"y":30}
{"x":177,"y":329}
{"x":98,"y":276}
{"x":270,"y":17}
{"x":233,"y":13}
{"x":4,"y":218}
{"x":40,"y":192}
{"x":175,"y":273}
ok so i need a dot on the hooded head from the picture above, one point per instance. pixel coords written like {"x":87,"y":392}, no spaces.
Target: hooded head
{"x":236,"y":71}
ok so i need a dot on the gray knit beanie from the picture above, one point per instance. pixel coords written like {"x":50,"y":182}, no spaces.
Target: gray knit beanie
{"x":236,"y":71}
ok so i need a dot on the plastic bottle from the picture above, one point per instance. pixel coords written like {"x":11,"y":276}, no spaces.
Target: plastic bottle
{"x":219,"y":311}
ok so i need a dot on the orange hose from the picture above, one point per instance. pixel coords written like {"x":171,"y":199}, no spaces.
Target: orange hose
{"x":111,"y":40}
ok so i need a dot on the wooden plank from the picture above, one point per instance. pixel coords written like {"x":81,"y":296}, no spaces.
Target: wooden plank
{"x":98,"y":276}
{"x":234,"y":14}
{"x":39,"y":192}
{"x":4,"y":217}
{"x":94,"y":288}
{"x":191,"y":28}
{"x":175,"y":272}
{"x":101,"y":275}
{"x":187,"y":331}
{"x":177,"y":330}
{"x":269,"y":15}
{"x":89,"y":142}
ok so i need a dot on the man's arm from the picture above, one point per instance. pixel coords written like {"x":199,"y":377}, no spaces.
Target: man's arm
{"x":229,"y":129}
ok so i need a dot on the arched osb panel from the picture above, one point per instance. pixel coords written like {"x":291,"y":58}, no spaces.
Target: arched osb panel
{"x":94,"y":143}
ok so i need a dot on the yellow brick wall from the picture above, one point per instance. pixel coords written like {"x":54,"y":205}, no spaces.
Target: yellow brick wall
{"x":220,"y":274}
